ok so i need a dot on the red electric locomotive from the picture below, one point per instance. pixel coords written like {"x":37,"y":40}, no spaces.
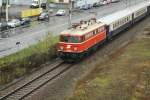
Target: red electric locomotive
{"x":81,"y":39}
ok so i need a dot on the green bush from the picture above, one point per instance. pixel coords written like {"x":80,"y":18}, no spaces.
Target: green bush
{"x":16,"y":65}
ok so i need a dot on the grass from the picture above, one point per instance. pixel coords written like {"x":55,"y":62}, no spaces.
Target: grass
{"x":123,"y":77}
{"x":41,"y":47}
{"x":24,"y":61}
{"x":49,"y":1}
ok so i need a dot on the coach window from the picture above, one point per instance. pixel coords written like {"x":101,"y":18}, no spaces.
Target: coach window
{"x":122,"y":21}
{"x":113,"y":26}
{"x":127,"y":18}
{"x":119,"y":22}
{"x":101,"y":29}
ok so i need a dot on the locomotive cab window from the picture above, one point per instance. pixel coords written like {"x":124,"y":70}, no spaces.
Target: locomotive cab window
{"x":64,"y":38}
{"x":69,"y":39}
{"x":74,"y":39}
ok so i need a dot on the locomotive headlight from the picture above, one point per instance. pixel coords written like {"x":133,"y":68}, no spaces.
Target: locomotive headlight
{"x":61,"y":47}
{"x":75,"y":48}
{"x":68,"y":46}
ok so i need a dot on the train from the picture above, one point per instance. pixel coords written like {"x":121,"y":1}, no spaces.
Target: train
{"x":86,"y":36}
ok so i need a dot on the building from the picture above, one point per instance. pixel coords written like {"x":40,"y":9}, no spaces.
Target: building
{"x":77,"y":3}
{"x":62,"y":1}
{"x":25,"y":2}
{"x":3,"y":8}
{"x":0,"y":3}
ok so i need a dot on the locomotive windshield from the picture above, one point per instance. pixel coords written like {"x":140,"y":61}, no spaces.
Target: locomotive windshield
{"x":64,"y":39}
{"x":74,"y":39}
{"x":69,"y":39}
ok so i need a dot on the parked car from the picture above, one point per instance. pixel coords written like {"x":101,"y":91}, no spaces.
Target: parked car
{"x":43,"y":16}
{"x":97,"y":4}
{"x":105,"y":2}
{"x":34,"y":5}
{"x":86,"y":7}
{"x":14,"y":23}
{"x":52,"y":5}
{"x":60,"y":12}
{"x":3,"y":26}
{"x":43,"y":5}
{"x":50,"y":10}
{"x":25,"y":21}
{"x":101,"y":3}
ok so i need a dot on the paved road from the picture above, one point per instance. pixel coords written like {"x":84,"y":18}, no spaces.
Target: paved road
{"x":55,"y":26}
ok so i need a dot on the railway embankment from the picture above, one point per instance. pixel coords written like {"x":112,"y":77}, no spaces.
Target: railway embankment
{"x":124,"y":76}
{"x":27,"y":60}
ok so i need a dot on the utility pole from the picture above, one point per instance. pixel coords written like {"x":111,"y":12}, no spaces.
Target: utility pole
{"x":1,"y":2}
{"x":126,"y":2}
{"x":7,"y":6}
{"x":70,"y":12}
{"x":39,"y":3}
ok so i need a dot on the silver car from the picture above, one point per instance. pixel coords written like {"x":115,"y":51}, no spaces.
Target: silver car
{"x":14,"y":23}
{"x":60,"y":12}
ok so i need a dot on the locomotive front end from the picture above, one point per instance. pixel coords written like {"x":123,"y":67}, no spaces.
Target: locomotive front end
{"x":69,"y":47}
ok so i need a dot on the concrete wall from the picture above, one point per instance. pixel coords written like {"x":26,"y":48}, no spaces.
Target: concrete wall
{"x":21,"y":2}
{"x":80,"y":3}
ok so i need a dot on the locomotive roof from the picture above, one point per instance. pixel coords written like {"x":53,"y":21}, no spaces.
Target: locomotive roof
{"x":120,"y":14}
{"x":80,"y":32}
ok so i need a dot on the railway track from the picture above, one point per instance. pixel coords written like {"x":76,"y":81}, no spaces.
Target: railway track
{"x":40,"y":80}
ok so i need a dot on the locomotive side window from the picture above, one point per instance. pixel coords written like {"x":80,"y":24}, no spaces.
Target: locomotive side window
{"x":102,"y":29}
{"x":89,"y":35}
{"x":81,"y":39}
{"x":97,"y":31}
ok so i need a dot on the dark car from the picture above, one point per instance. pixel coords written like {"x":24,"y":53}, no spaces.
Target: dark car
{"x":43,"y":5}
{"x":97,"y":4}
{"x":43,"y":16}
{"x":25,"y":21}
{"x":86,"y":7}
{"x":3,"y":26}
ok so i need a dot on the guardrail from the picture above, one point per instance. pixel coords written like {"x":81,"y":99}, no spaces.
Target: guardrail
{"x":13,"y":31}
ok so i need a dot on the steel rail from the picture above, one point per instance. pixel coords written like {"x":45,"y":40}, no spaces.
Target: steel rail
{"x":38,"y":78}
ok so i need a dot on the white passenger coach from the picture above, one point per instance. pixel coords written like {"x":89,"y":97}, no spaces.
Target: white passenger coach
{"x":123,"y":19}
